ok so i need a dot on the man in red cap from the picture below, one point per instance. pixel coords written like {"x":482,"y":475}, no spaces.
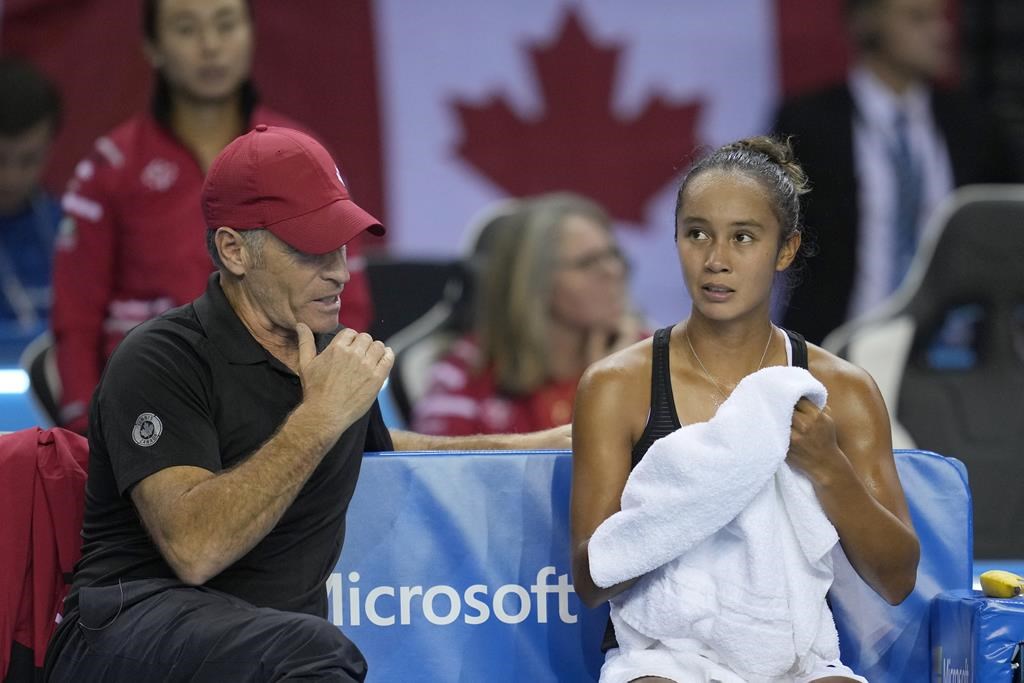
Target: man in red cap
{"x":226,"y":438}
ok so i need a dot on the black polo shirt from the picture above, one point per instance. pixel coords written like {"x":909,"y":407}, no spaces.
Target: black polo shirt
{"x":193,"y":387}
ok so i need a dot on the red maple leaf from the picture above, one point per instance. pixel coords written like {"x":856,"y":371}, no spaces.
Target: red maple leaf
{"x":578,"y":143}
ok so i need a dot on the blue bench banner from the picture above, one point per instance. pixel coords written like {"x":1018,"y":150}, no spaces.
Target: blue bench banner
{"x":456,"y":570}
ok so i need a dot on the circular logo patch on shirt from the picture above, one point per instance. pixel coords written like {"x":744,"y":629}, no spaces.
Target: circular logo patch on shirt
{"x":147,"y":430}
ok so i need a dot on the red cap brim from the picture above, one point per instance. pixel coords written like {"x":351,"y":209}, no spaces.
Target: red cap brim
{"x":326,"y":229}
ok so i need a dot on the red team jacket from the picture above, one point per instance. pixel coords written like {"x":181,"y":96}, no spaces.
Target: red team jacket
{"x":42,"y":500}
{"x":462,"y":400}
{"x":133,"y":245}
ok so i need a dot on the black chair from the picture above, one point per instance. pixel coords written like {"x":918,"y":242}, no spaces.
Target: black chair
{"x":947,"y":351}
{"x":426,"y":340}
{"x":39,"y":361}
{"x":403,"y":289}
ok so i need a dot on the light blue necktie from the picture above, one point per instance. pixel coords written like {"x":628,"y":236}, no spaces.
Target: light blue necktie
{"x":907,"y":175}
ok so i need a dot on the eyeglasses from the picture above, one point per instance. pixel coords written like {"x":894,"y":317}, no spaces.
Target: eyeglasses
{"x":595,"y":260}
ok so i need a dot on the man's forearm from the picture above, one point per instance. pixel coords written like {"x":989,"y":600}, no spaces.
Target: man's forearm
{"x":233,"y":511}
{"x":558,"y":438}
{"x":221,"y":518}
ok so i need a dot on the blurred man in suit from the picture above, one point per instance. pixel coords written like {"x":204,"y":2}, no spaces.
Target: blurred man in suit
{"x":884,"y":148}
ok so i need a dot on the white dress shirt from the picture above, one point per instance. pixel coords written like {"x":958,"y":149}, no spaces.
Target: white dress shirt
{"x":875,"y":111}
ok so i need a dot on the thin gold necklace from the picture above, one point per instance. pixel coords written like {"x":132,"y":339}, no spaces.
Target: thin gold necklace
{"x":718,"y":387}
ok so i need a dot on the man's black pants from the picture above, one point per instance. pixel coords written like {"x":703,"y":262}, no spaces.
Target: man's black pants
{"x":163,"y":630}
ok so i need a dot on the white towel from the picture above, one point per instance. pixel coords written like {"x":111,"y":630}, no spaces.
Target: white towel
{"x":732,"y":544}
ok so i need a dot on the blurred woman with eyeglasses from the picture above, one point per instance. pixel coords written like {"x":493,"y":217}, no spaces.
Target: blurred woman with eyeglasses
{"x":552,"y":299}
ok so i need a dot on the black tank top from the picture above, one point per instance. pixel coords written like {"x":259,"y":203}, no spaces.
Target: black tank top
{"x":663,"y":418}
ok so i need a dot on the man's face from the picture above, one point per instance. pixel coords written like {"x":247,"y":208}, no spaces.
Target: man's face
{"x":22,"y":161}
{"x":289,"y":287}
{"x":203,"y":47}
{"x":913,"y":36}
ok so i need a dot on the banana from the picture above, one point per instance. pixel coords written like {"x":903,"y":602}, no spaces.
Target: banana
{"x":997,"y":583}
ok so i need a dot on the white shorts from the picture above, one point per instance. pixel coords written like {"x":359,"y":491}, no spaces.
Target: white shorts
{"x":696,"y":668}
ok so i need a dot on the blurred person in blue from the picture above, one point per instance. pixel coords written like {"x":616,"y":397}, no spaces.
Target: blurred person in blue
{"x":884,"y":148}
{"x":30,"y":114}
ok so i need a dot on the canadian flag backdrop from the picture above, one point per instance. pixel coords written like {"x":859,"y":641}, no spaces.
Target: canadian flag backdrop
{"x":437,"y":109}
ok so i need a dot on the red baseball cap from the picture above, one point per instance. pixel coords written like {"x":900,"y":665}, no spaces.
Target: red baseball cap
{"x":285,"y":181}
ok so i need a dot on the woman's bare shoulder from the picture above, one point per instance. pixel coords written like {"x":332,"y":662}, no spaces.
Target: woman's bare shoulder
{"x":830,"y":369}
{"x":625,"y":367}
{"x":612,"y":403}
{"x":849,"y":386}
